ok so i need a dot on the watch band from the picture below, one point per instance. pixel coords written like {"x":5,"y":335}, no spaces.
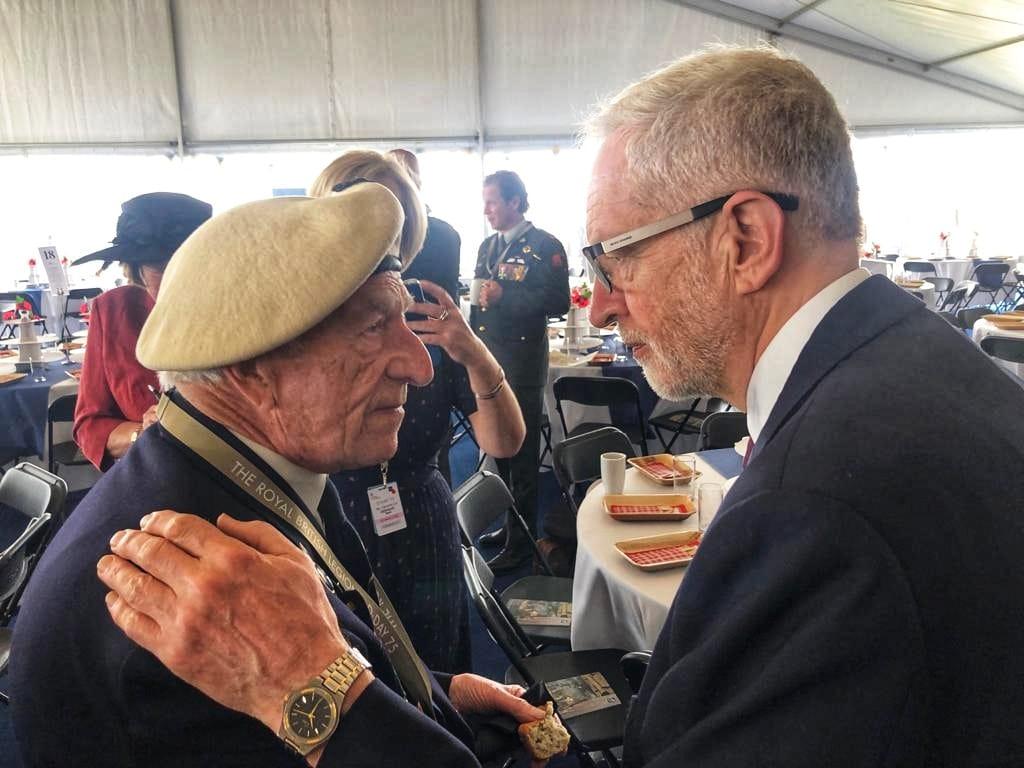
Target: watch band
{"x":342,"y":672}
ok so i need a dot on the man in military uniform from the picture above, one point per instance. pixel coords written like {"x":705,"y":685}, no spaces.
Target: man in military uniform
{"x":521,"y":279}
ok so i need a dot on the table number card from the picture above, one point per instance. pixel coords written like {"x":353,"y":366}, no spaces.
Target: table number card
{"x":55,"y":273}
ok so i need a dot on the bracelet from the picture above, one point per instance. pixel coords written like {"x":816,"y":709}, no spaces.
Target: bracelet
{"x":493,"y":393}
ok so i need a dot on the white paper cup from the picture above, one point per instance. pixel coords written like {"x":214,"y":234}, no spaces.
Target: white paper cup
{"x":613,"y":472}
{"x":474,"y":290}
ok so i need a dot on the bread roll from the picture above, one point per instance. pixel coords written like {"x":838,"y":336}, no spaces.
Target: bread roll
{"x":545,"y":738}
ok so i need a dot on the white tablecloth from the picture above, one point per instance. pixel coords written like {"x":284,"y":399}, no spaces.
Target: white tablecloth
{"x":983,"y":328}
{"x":615,"y":604}
{"x":957,"y":269}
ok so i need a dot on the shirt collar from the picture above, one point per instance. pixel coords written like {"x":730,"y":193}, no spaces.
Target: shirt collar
{"x":308,"y":485}
{"x":511,"y":235}
{"x":776,"y":362}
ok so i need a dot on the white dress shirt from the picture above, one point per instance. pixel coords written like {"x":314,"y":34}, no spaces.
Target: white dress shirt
{"x":776,"y":362}
{"x":307,"y":484}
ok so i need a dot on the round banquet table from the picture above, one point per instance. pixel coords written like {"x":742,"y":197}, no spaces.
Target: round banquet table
{"x":983,"y":328}
{"x":616,"y":605}
{"x":23,"y":406}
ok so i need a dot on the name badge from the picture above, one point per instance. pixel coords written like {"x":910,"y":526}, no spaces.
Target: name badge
{"x":386,"y":508}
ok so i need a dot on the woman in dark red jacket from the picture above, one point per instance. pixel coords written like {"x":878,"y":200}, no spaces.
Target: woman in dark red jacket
{"x":115,"y":402}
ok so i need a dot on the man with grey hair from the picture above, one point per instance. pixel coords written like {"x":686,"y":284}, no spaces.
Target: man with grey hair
{"x":844,"y":607}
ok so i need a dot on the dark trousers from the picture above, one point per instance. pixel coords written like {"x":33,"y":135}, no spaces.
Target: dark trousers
{"x":520,"y":471}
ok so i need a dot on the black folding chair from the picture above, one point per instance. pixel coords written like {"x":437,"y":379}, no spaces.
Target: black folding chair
{"x":950,"y":318}
{"x":578,"y":459}
{"x":919,"y":268}
{"x":74,"y":298}
{"x":967,"y":317}
{"x":959,"y":297}
{"x":1010,"y":350}
{"x":990,"y":275}
{"x":685,"y":421}
{"x":722,"y":430}
{"x":31,"y":499}
{"x":942,"y":285}
{"x":598,"y":731}
{"x":480,"y":502}
{"x":601,"y":390}
{"x":67,"y":454}
{"x":891,"y":256}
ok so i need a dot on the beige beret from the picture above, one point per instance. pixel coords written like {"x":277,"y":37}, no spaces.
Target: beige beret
{"x":259,"y":275}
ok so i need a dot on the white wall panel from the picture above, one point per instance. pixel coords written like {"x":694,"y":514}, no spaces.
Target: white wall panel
{"x":404,"y":68}
{"x":546,"y":64}
{"x":253,"y":69}
{"x":871,"y":95}
{"x":85,"y":71}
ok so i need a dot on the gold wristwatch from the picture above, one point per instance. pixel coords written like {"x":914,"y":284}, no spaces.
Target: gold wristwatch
{"x":312,"y":712}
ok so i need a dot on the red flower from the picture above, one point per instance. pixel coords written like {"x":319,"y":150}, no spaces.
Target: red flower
{"x":83,"y":309}
{"x":31,"y":262}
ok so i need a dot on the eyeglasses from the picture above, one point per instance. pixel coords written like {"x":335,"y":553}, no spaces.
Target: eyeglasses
{"x":593,"y":252}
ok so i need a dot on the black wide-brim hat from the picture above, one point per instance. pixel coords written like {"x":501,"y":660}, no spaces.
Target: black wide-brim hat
{"x":151,"y":227}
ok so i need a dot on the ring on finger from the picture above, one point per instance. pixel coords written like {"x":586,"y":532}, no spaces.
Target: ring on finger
{"x":443,"y":315}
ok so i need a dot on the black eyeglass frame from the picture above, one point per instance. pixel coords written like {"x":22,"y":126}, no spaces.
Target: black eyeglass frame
{"x":592,"y":252}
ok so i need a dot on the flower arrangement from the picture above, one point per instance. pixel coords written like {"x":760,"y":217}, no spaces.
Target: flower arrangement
{"x":579,"y":298}
{"x":31,"y":263}
{"x":21,"y":304}
{"x":877,"y":249}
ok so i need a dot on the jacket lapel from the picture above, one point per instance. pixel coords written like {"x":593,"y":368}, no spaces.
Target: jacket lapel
{"x":860,"y":316}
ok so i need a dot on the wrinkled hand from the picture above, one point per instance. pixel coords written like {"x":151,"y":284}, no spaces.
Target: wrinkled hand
{"x":475,"y":695}
{"x":149,"y":417}
{"x":235,"y":610}
{"x":490,"y":293}
{"x":446,"y":327}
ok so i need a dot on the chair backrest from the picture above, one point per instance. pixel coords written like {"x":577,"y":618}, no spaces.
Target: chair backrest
{"x":942,"y":284}
{"x":918,"y":266}
{"x":578,"y":459}
{"x":31,"y":501}
{"x":891,"y":256}
{"x":990,"y":274}
{"x":722,"y":430}
{"x":960,"y":294}
{"x":1010,"y":350}
{"x":84,"y":294}
{"x":480,"y":502}
{"x":969,"y":316}
{"x":595,"y":390}
{"x":950,"y":318}
{"x":501,"y":626}
{"x":62,"y":409}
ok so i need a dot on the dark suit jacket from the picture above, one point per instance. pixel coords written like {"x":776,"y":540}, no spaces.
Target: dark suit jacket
{"x":858,"y":599}
{"x":534,"y":278}
{"x":84,"y":694}
{"x":438,"y":261}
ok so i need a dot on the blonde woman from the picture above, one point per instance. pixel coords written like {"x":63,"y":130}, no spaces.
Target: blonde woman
{"x":420,"y":565}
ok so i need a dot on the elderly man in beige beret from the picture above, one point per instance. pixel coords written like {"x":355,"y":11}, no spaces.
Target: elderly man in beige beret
{"x":290,"y":359}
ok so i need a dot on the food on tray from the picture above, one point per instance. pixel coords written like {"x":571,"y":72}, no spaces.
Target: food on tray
{"x":545,"y":738}
{"x":661,"y":467}
{"x":665,"y":554}
{"x":648,"y":509}
{"x":602,"y":357}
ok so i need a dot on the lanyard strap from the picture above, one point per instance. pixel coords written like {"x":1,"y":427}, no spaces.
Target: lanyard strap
{"x":253,"y":481}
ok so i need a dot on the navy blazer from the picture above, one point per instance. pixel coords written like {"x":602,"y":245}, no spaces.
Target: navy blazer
{"x":84,"y":694}
{"x":858,"y":599}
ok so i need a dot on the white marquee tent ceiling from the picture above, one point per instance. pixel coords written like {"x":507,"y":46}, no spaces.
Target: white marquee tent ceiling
{"x":197,"y":74}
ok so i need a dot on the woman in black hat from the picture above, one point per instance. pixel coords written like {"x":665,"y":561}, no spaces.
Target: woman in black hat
{"x":115,"y":398}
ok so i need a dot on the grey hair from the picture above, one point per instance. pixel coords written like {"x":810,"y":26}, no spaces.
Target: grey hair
{"x":170,"y":379}
{"x":729,"y":118}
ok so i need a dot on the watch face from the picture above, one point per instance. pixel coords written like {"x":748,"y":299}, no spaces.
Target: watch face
{"x":311,"y":714}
